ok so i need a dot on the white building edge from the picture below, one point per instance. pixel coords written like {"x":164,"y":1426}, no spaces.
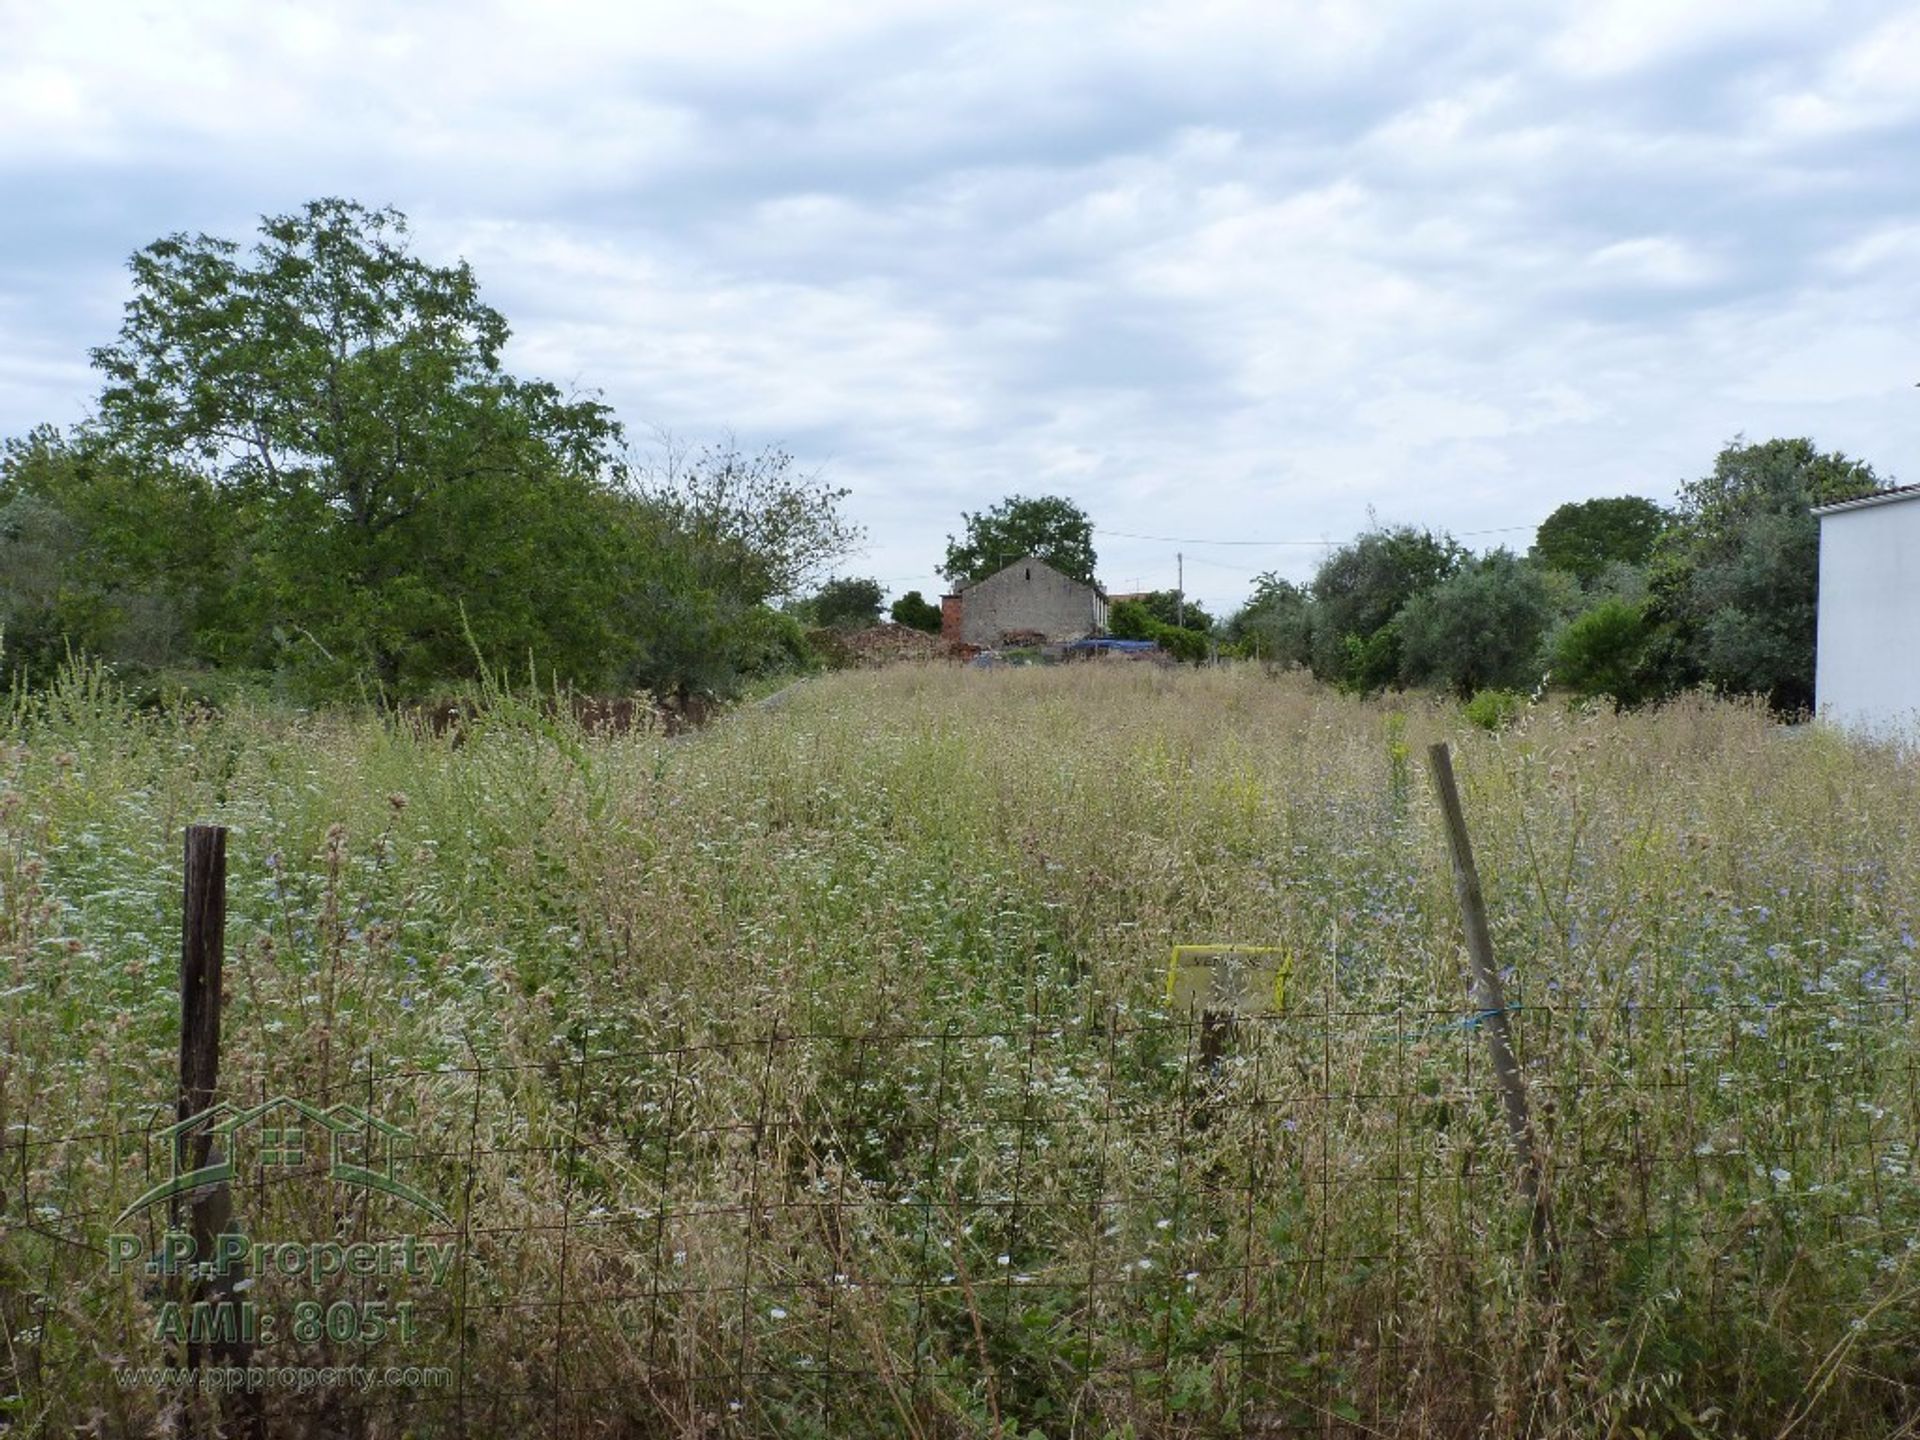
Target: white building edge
{"x":1867,"y":656}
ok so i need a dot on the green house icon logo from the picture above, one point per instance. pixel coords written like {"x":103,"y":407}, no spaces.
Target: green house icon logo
{"x":359,"y":1149}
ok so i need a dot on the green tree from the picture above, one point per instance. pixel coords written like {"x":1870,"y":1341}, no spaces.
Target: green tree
{"x":1584,"y":537}
{"x":351,"y":396}
{"x":847,"y":604}
{"x":1735,"y":584}
{"x":768,"y":530}
{"x":1048,"y":528}
{"x":1480,"y":628}
{"x":916,"y":612}
{"x":1130,"y":620}
{"x":41,"y":610}
{"x":1169,"y":608}
{"x":90,"y":555}
{"x":1781,"y":477}
{"x":724,"y":535}
{"x":1276,"y":623}
{"x":1357,"y":593}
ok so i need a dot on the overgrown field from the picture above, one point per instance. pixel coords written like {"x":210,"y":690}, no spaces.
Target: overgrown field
{"x":816,"y":1075}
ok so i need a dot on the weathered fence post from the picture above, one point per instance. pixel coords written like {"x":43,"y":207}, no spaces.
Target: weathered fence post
{"x":203,"y":928}
{"x":1489,"y":998}
{"x":203,"y":931}
{"x":202,"y":953}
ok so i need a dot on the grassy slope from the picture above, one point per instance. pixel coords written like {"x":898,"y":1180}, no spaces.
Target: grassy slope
{"x":953,"y":893}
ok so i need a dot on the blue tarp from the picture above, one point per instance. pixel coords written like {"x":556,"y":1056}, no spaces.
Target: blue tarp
{"x":1127,"y":647}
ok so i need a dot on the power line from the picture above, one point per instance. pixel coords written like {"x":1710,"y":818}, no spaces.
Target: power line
{"x":1185,"y":540}
{"x":1219,"y":565}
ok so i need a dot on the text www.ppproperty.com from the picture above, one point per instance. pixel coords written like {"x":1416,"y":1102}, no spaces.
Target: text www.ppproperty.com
{"x":250,"y":1379}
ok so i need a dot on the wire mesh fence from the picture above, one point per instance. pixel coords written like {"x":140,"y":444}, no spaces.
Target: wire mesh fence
{"x":1304,"y":1222}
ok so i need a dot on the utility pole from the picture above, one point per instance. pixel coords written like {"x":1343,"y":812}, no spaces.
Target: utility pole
{"x":1180,"y":591}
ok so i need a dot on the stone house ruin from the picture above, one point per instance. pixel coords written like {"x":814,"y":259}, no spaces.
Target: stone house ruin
{"x":1025,"y":599}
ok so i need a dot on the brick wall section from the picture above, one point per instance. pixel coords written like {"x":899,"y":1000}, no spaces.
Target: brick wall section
{"x":949,"y":617}
{"x":1028,"y":595}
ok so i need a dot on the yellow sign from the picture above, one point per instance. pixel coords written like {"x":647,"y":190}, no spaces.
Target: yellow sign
{"x":1245,"y":979}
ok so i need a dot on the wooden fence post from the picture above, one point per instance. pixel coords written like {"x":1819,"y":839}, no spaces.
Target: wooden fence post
{"x":202,"y":953}
{"x":1489,"y":998}
{"x":203,"y":949}
{"x":202,"y":956}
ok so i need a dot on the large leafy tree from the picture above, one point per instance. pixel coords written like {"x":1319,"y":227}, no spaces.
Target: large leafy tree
{"x":1735,"y":584}
{"x":1358,"y":593}
{"x":1586,"y":536}
{"x":403,"y":490}
{"x":1047,"y":527}
{"x":1480,"y":627}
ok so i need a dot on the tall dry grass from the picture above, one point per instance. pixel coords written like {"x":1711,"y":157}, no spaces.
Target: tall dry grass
{"x":815,"y":1074}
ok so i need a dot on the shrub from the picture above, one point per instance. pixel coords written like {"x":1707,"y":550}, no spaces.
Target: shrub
{"x":1372,"y":661}
{"x":772,"y":641}
{"x":1601,"y":652}
{"x":1495,"y":709}
{"x":1130,"y":620}
{"x":1187,"y":645}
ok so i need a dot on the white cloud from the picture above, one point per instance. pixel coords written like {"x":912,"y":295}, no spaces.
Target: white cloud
{"x":1893,"y":247}
{"x":1608,"y":38}
{"x":1873,"y":83}
{"x":1657,"y":260}
{"x":1216,"y":269}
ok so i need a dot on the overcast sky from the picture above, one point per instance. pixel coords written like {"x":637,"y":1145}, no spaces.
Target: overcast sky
{"x":1216,"y":271}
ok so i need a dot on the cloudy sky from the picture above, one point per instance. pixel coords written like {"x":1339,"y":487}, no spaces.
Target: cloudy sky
{"x":1218,"y":271}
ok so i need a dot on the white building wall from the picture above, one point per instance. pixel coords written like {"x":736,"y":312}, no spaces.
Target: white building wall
{"x":1867,"y":665}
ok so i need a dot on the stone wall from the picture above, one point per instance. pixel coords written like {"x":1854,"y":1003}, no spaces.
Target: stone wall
{"x":1028,"y":595}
